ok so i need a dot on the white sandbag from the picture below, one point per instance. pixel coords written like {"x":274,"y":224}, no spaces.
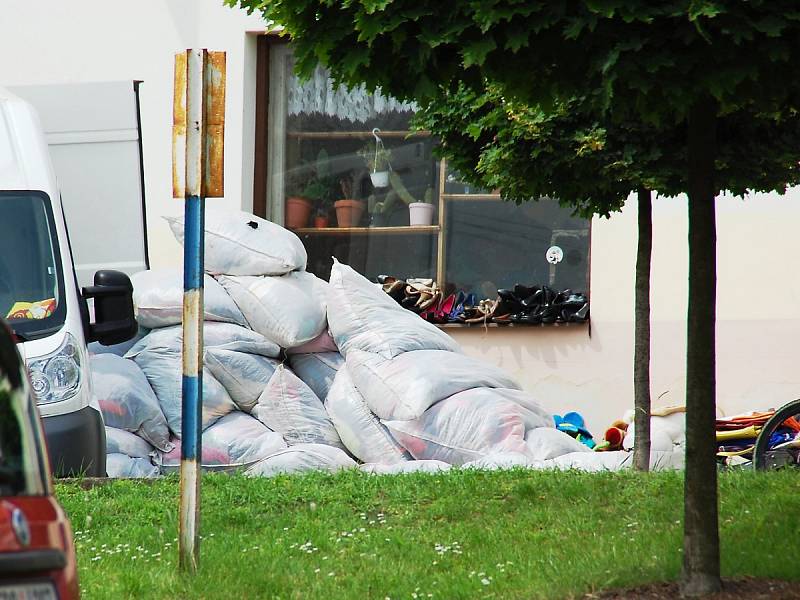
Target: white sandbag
{"x":667,"y":433}
{"x":502,"y":460}
{"x":317,"y":370}
{"x":412,"y":466}
{"x":289,"y":310}
{"x":244,"y":439}
{"x":243,"y":375}
{"x":402,"y":388}
{"x":613,"y":461}
{"x":118,"y":349}
{"x":362,"y":317}
{"x":226,"y":336}
{"x":164,"y":371}
{"x":158,"y":299}
{"x":240,"y":243}
{"x":302,"y":457}
{"x":362,"y":433}
{"x":465,"y":427}
{"x":547,"y":442}
{"x":214,"y":457}
{"x":119,"y":441}
{"x":322,"y":343}
{"x":288,"y":406}
{"x":126,"y":399}
{"x":122,"y":466}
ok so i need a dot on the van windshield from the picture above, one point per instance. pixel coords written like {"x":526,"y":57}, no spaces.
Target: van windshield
{"x":31,"y":282}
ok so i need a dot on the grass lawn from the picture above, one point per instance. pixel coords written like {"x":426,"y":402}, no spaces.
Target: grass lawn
{"x":512,"y":534}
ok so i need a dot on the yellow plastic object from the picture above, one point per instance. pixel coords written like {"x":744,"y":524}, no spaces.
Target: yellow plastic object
{"x":745,"y":433}
{"x":32,"y":310}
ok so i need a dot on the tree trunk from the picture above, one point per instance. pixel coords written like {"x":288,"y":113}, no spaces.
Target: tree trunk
{"x":641,"y":345}
{"x":701,"y":527}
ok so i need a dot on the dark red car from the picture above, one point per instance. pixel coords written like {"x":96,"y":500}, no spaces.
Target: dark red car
{"x":37,"y":554}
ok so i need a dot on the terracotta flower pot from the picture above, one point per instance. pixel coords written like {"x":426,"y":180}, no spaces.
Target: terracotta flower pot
{"x":348,"y":212}
{"x":321,"y":222}
{"x":298,"y":211}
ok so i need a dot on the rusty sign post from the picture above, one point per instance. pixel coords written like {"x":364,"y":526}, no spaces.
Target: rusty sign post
{"x":197,"y":173}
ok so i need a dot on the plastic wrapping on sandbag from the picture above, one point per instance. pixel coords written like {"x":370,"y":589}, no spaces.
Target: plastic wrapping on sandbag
{"x":158,"y":298}
{"x":240,"y":243}
{"x":288,"y":406}
{"x":404,"y":387}
{"x":126,"y":399}
{"x":667,"y":433}
{"x":243,"y":375}
{"x":118,"y":349}
{"x":164,"y":371}
{"x":243,"y":438}
{"x":547,"y":442}
{"x":413,"y":466}
{"x":322,"y":343}
{"x":362,"y":317}
{"x":119,"y":441}
{"x":226,"y":336}
{"x":122,"y":466}
{"x":613,"y":461}
{"x":289,"y":310}
{"x":317,"y":370}
{"x":364,"y":436}
{"x":465,"y":427}
{"x":502,"y":460}
{"x":302,"y":457}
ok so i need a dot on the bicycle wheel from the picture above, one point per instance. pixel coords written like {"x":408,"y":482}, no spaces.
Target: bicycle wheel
{"x":763,"y":457}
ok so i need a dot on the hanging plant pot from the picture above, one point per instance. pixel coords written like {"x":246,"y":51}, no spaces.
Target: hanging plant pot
{"x":298,"y":211}
{"x":380,"y":179}
{"x":348,"y":212}
{"x":420,"y":213}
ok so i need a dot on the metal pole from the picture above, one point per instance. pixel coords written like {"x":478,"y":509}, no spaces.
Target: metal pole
{"x":192,"y":388}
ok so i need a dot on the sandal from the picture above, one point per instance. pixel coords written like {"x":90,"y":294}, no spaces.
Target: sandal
{"x":484,"y":312}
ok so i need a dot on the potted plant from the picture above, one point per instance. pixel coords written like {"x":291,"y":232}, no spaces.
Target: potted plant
{"x":348,"y":209}
{"x":421,"y":213}
{"x":315,"y":188}
{"x":320,"y":191}
{"x":376,"y":156}
{"x":298,"y":206}
{"x":379,"y":210}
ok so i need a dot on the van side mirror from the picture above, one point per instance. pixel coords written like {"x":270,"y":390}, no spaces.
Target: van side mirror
{"x":114,"y":321}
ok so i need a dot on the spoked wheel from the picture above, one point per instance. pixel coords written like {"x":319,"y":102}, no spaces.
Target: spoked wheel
{"x":763,"y":457}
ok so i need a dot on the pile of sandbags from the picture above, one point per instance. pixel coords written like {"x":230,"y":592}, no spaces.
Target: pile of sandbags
{"x":300,"y":374}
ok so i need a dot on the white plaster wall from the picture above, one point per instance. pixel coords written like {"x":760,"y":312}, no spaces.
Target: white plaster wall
{"x":92,"y":40}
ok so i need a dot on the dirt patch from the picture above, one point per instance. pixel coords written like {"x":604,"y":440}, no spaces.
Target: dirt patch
{"x":732,"y":589}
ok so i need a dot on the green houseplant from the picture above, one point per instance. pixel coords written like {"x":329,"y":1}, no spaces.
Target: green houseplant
{"x":349,"y":208}
{"x":376,"y":156}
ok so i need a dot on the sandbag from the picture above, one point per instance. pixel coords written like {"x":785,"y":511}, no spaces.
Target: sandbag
{"x":213,"y":457}
{"x":412,"y":466}
{"x":158,"y":299}
{"x":119,"y":441}
{"x":317,"y":370}
{"x":364,"y":436}
{"x":243,"y":375}
{"x":302,"y":457}
{"x":240,"y":243}
{"x":322,"y":343}
{"x":466,"y":427}
{"x":164,"y":371}
{"x":402,"y":388}
{"x":226,"y":336}
{"x":118,"y":349}
{"x":613,"y":461}
{"x":667,"y":433}
{"x":288,"y":406}
{"x":289,"y":310}
{"x":362,"y":317}
{"x":547,"y":442}
{"x":502,"y":460}
{"x":120,"y":465}
{"x":244,"y":439}
{"x":126,"y":399}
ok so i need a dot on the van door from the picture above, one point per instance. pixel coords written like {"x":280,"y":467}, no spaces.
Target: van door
{"x":93,"y":131}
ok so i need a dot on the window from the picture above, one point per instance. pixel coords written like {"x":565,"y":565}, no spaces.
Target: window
{"x":327,"y":147}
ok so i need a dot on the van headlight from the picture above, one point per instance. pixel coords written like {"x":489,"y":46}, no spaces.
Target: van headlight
{"x":57,"y":376}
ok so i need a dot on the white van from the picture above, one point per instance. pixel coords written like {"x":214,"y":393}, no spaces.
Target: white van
{"x":40,"y":298}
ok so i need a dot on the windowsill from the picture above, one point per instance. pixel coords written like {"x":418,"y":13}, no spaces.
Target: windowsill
{"x":508,"y":325}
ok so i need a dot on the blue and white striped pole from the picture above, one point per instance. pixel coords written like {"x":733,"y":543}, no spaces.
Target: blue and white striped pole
{"x":198,"y":129}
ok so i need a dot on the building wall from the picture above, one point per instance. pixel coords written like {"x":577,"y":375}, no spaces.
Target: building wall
{"x":565,"y":367}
